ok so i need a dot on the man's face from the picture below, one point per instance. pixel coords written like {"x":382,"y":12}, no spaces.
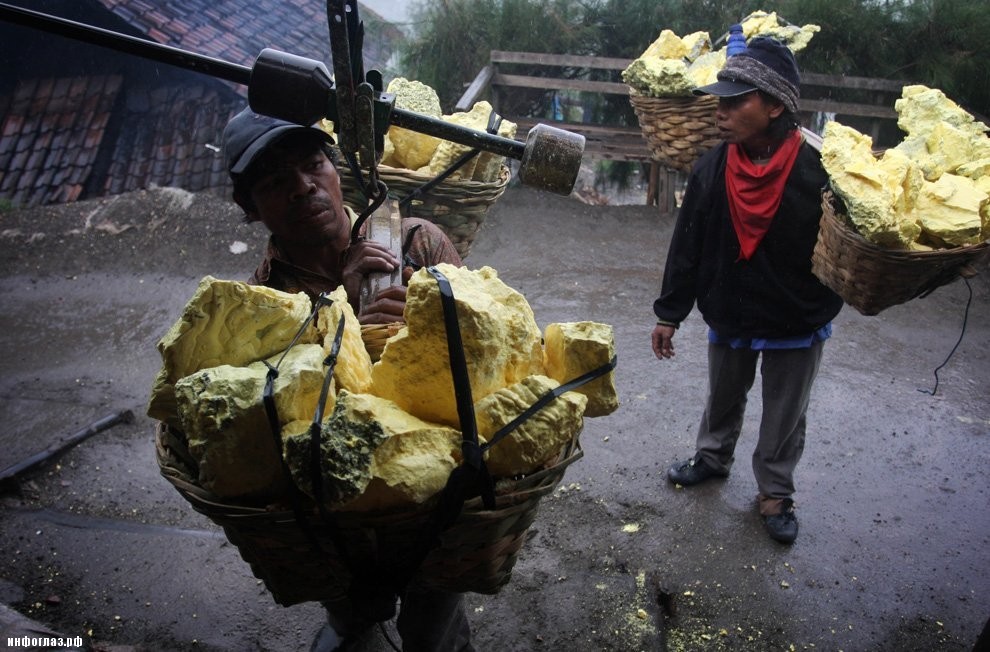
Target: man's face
{"x":744,"y":119}
{"x":296,"y":194}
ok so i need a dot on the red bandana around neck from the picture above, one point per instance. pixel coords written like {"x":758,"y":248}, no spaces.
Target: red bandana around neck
{"x":755,"y":191}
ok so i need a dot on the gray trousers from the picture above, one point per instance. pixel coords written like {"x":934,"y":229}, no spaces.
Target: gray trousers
{"x":787,"y":377}
{"x":428,"y":621}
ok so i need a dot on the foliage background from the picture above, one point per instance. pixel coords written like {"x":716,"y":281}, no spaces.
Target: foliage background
{"x":940,"y":43}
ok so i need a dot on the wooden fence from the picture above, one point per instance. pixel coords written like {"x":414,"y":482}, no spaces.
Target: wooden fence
{"x":870,"y":109}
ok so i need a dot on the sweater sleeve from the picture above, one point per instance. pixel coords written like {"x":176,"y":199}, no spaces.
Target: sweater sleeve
{"x":678,"y":291}
{"x":428,"y":244}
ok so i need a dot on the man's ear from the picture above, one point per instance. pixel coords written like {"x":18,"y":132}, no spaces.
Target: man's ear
{"x":777,"y":109}
{"x":250,"y":215}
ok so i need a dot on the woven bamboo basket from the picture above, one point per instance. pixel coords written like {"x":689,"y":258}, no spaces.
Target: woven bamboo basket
{"x":475,"y":554}
{"x":457,"y":206}
{"x":678,"y":130}
{"x":375,"y":336}
{"x":870,"y":278}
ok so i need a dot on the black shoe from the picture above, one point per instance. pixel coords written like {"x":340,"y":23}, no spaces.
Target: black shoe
{"x":691,"y":472}
{"x":783,"y":527}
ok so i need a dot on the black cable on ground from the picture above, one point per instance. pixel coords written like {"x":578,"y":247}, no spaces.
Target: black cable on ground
{"x":959,"y":341}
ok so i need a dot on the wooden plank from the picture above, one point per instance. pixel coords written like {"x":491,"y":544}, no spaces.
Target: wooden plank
{"x":566,"y":60}
{"x":475,"y":89}
{"x":855,"y":83}
{"x":847,"y":108}
{"x":586,"y":128}
{"x":555,"y":84}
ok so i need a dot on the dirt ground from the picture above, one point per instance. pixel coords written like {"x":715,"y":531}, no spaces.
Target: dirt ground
{"x":893,"y":490}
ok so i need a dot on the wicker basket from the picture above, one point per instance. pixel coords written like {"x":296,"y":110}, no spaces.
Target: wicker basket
{"x":870,"y":278}
{"x":678,"y":130}
{"x":475,"y":554}
{"x":457,"y":206}
{"x":375,"y":336}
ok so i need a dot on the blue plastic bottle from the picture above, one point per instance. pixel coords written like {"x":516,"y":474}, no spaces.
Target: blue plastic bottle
{"x":736,"y":42}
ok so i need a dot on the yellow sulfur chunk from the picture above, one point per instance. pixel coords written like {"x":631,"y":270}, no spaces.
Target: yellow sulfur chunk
{"x":499,"y":333}
{"x":983,"y":184}
{"x":920,"y":108}
{"x":975,"y":170}
{"x":375,"y":455}
{"x":413,"y":462}
{"x":854,"y":173}
{"x":222,"y":414}
{"x":943,"y":148}
{"x":411,"y":149}
{"x":353,"y":369}
{"x":540,"y":437}
{"x":697,"y":45}
{"x":655,"y":77}
{"x":761,"y":23}
{"x":490,"y":165}
{"x":704,"y":69}
{"x":667,"y":46}
{"x":447,"y":151}
{"x":575,"y":348}
{"x":225,"y":322}
{"x":949,"y":209}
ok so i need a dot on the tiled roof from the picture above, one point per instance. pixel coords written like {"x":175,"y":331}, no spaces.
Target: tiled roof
{"x":237,"y":30}
{"x":87,"y":135}
{"x":50,"y":137}
{"x":178,"y":142}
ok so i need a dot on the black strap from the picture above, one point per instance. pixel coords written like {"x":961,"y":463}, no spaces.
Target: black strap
{"x":465,"y":478}
{"x":470,"y":450}
{"x":271,"y":412}
{"x":315,"y":428}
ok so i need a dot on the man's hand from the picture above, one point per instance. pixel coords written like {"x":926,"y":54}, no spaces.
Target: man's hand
{"x":366,"y":257}
{"x":663,"y":341}
{"x":386,"y":308}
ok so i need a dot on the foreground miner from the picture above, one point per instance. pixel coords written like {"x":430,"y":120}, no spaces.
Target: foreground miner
{"x":742,"y":250}
{"x":284,"y":176}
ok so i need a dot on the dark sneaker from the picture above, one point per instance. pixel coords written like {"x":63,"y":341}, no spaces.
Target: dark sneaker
{"x":691,"y":472}
{"x":783,"y":527}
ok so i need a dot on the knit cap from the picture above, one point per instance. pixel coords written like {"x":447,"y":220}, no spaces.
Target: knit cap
{"x":767,"y":65}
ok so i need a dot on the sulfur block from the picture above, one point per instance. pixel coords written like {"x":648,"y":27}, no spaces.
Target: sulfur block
{"x":573,"y":349}
{"x":412,"y":149}
{"x":501,"y":343}
{"x":857,"y":177}
{"x":950,"y":210}
{"x":221,"y":412}
{"x":540,"y":437}
{"x":447,"y":151}
{"x":353,"y":369}
{"x":225,"y":322}
{"x":374,"y":455}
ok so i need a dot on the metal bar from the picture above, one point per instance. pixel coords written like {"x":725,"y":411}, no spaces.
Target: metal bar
{"x":346,"y":85}
{"x":132,"y":45}
{"x":125,"y":416}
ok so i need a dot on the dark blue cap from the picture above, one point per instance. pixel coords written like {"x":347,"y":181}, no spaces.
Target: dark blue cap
{"x":249,"y":134}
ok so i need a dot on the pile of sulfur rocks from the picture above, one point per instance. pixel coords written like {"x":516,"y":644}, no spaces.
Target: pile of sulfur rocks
{"x":390,"y":435}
